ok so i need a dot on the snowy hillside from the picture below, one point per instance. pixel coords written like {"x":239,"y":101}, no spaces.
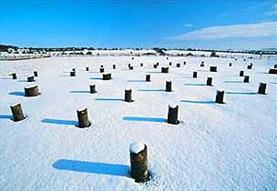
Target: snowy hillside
{"x":229,"y":146}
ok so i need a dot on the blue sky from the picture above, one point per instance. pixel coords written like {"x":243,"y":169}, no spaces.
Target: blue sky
{"x":238,"y":24}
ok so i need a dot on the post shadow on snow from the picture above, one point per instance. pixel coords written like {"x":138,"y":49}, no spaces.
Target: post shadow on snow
{"x":144,"y":119}
{"x":80,"y":92}
{"x":188,"y":84}
{"x":151,"y":90}
{"x":273,"y":82}
{"x":92,"y":167}
{"x":262,"y":72}
{"x":233,"y":82}
{"x":155,"y":72}
{"x":96,"y":78}
{"x":6,"y":117}
{"x":108,"y":99}
{"x":136,"y":81}
{"x":16,"y":93}
{"x":241,"y":93}
{"x":60,"y":122}
{"x":22,"y":81}
{"x":5,"y":78}
{"x":198,"y":101}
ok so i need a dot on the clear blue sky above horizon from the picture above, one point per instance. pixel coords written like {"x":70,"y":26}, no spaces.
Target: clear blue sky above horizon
{"x":172,"y":24}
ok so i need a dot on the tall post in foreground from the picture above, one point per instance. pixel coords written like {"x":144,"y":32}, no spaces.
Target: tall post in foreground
{"x":128,"y":96}
{"x":168,"y":86}
{"x":114,"y":66}
{"x":17,"y":112}
{"x":262,"y":88}
{"x":138,"y":159}
{"x":172,"y":116}
{"x":82,"y":115}
{"x":87,"y":68}
{"x":219,"y":97}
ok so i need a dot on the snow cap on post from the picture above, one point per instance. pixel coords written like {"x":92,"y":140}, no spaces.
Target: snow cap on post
{"x":136,"y":147}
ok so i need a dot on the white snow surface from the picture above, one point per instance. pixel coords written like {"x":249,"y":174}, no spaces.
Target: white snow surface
{"x":229,"y":146}
{"x":136,"y":147}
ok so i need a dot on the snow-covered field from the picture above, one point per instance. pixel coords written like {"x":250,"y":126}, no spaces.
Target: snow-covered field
{"x":230,"y":146}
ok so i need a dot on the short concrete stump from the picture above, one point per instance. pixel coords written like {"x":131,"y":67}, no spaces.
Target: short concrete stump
{"x":14,"y":76}
{"x":209,"y":81}
{"x":213,"y":69}
{"x":194,"y":74}
{"x":107,"y":76}
{"x":148,"y":78}
{"x":31,"y":79}
{"x":82,"y":115}
{"x":178,"y":65}
{"x":241,"y":73}
{"x":246,"y":79}
{"x":92,"y":89}
{"x":272,"y":71}
{"x":128,"y":96}
{"x":164,"y":69}
{"x":138,"y":160}
{"x":168,"y":86}
{"x":172,"y":116}
{"x":262,"y":88}
{"x":72,"y":73}
{"x":102,"y":70}
{"x":31,"y":91}
{"x":36,"y":73}
{"x":219,"y":97}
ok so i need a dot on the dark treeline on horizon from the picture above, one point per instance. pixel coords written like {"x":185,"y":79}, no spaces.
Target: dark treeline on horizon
{"x":5,"y":48}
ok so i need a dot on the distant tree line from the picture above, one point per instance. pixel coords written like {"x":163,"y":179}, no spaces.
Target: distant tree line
{"x":159,"y":50}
